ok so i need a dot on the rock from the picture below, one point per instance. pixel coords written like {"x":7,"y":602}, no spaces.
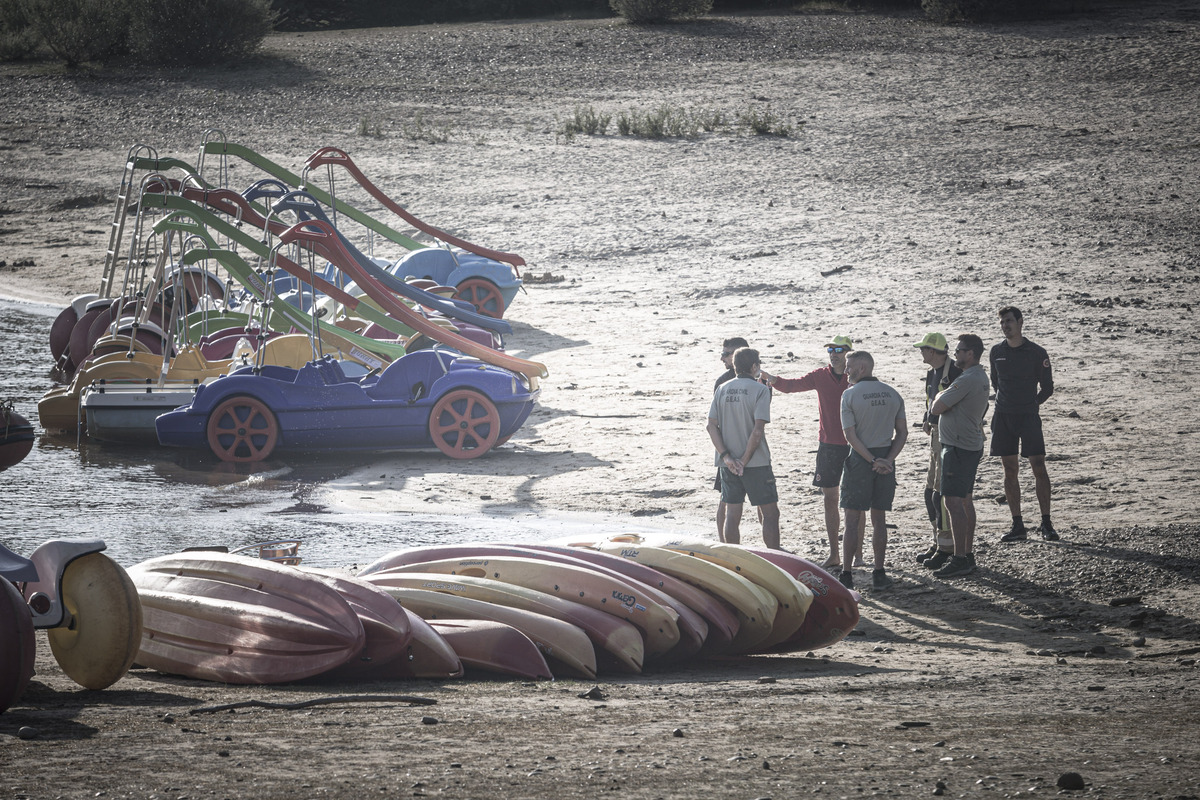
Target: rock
{"x":27,"y":732}
{"x":1070,"y":781}
{"x":593,"y":693}
{"x":429,"y":721}
{"x":677,"y":733}
{"x":766,"y":679}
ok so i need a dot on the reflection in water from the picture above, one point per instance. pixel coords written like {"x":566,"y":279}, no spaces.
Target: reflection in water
{"x":146,"y":501}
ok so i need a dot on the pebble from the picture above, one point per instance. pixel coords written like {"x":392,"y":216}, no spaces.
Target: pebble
{"x":1070,"y":781}
{"x":429,"y":720}
{"x":27,"y":732}
{"x":766,"y":679}
{"x":677,"y":733}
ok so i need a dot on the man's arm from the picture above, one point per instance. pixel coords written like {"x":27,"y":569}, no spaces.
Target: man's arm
{"x":1045,"y":380}
{"x":856,"y":444}
{"x":756,"y":437}
{"x":787,"y":385}
{"x":900,"y":440}
{"x":945,"y":400}
{"x":728,"y":459}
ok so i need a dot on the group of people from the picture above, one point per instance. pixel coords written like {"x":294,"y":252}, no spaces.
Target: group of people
{"x":863,"y":429}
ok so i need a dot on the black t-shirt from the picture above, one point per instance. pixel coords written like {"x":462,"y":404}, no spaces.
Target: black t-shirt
{"x":1017,"y":372}
{"x":937,"y":380}
{"x":727,"y":375}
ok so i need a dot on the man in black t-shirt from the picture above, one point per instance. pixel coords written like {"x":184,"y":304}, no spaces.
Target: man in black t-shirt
{"x":1020,"y":372}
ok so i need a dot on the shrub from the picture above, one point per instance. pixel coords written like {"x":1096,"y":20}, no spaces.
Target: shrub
{"x":643,"y":11}
{"x":586,"y":121}
{"x":197,"y":31}
{"x":78,"y":30}
{"x":762,"y":122}
{"x":17,"y":38}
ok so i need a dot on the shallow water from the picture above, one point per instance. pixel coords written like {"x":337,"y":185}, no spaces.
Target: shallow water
{"x":148,"y":501}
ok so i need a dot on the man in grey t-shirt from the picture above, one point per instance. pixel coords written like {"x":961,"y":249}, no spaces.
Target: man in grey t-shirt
{"x":737,"y":419}
{"x":876,"y":430}
{"x":960,"y":409}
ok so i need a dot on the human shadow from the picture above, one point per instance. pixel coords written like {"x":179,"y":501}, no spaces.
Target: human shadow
{"x":994,"y":609}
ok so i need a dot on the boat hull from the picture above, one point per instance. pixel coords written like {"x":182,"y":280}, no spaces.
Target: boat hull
{"x":17,"y":645}
{"x":233,"y":619}
{"x":125,"y":414}
{"x":16,"y":438}
{"x":493,"y":647}
{"x":565,"y":646}
{"x":834,"y":611}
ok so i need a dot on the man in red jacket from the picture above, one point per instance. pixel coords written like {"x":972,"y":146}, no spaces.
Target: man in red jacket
{"x":829,"y":383}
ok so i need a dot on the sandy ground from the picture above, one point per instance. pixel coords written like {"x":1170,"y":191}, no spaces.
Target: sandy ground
{"x":931,"y":175}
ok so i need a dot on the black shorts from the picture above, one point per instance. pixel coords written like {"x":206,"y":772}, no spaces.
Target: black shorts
{"x":1009,"y":429}
{"x":863,"y":488}
{"x":830,"y":460}
{"x":756,"y":482}
{"x":959,"y":468}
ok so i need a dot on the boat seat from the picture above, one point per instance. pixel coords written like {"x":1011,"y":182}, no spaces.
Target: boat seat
{"x":323,"y":372}
{"x":410,"y":377}
{"x":16,"y":568}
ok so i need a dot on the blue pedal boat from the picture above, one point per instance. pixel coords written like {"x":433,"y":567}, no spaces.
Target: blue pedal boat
{"x":428,"y":398}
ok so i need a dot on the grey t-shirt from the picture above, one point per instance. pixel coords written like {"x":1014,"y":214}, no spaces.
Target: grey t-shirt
{"x":872,"y":407}
{"x":736,"y":405}
{"x":967,"y":397}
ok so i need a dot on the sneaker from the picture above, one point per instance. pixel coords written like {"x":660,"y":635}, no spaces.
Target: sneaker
{"x":847,"y":579}
{"x":958,"y":566}
{"x":1017,"y":534}
{"x":938,"y":559}
{"x":1048,"y":533}
{"x":928,"y":554}
{"x":880,"y":579}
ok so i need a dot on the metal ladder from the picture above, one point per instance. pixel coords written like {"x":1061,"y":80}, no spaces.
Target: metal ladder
{"x":116,"y":231}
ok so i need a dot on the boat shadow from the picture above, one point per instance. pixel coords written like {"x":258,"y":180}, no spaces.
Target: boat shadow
{"x":53,"y":714}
